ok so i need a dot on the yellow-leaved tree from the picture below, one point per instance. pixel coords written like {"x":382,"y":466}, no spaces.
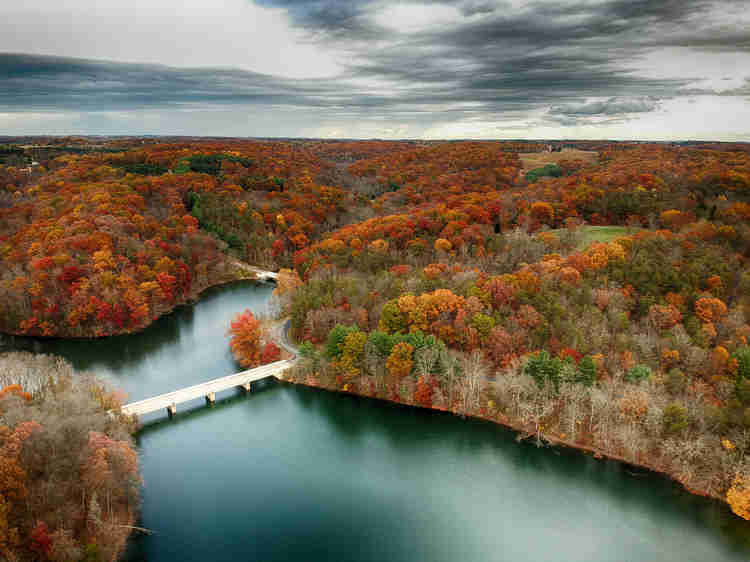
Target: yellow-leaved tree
{"x":738,"y":496}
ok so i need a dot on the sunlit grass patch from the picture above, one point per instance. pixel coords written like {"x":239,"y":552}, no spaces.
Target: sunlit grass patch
{"x":587,"y":235}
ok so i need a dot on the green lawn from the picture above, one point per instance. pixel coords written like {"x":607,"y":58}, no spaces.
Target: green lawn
{"x":591,"y":234}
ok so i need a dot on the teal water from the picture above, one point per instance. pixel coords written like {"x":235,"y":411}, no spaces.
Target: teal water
{"x":292,"y":473}
{"x":185,"y":347}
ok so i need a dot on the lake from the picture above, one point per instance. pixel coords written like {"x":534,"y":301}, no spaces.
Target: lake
{"x":298,"y":473}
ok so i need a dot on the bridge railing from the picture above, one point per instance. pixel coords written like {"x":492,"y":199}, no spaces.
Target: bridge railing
{"x":206,"y":388}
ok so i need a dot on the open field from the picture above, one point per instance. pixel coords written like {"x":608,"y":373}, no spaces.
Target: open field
{"x":590,"y":234}
{"x":532,"y":160}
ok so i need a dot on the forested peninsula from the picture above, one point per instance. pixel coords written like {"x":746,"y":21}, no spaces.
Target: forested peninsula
{"x":69,"y":478}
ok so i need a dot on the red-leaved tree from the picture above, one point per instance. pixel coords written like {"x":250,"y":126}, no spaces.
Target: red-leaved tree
{"x":271,"y":353}
{"x":245,"y":343}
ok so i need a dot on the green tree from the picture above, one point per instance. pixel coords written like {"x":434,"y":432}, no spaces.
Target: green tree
{"x":742,"y":356}
{"x":742,"y":390}
{"x":483,"y":324}
{"x":352,"y":348}
{"x":382,"y":342}
{"x":336,"y":339}
{"x":586,"y":371}
{"x":544,"y":369}
{"x":638,"y":373}
{"x":676,"y":381}
{"x":391,"y":318}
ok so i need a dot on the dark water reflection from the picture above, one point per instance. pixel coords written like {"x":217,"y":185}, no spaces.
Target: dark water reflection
{"x":291,"y":473}
{"x":281,"y":474}
{"x":174,"y":352}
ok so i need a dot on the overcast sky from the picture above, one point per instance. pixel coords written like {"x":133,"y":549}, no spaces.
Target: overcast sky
{"x":620,"y":69}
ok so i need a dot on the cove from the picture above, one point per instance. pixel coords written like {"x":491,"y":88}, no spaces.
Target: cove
{"x":298,"y":473}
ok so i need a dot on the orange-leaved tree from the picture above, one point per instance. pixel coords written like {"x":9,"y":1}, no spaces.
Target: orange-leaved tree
{"x":710,"y":309}
{"x":245,"y":343}
{"x":399,"y":362}
{"x":738,"y":497}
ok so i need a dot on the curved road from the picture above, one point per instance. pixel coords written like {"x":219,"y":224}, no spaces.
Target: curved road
{"x":279,"y":332}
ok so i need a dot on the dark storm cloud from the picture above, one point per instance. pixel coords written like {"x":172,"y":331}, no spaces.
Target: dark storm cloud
{"x":713,"y":40}
{"x":545,"y":54}
{"x":34,"y":82}
{"x":492,"y":62}
{"x":329,"y":18}
{"x":42,"y":82}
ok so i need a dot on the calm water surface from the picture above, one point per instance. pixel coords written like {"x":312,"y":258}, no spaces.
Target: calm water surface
{"x":292,"y":473}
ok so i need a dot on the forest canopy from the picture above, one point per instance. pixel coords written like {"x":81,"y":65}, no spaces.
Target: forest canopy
{"x":597,"y":296}
{"x":69,"y":478}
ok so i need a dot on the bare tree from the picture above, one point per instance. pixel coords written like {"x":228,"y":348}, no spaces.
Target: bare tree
{"x":32,"y":371}
{"x":572,"y":396}
{"x":425,"y":360}
{"x":630,"y":437}
{"x":475,"y":373}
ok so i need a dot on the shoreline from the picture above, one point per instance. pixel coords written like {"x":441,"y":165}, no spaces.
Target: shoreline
{"x":525,"y":433}
{"x":245,"y":275}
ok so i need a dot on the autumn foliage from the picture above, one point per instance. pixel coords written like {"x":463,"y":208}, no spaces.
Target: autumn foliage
{"x":738,"y":497}
{"x":245,"y":343}
{"x":74,"y":467}
{"x":270,"y":353}
{"x":432,"y":273}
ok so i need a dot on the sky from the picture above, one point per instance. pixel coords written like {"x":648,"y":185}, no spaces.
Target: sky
{"x":440,"y":69}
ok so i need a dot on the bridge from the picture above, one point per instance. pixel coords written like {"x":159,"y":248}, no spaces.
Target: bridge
{"x":244,"y":380}
{"x":267,"y":276}
{"x":256,"y":272}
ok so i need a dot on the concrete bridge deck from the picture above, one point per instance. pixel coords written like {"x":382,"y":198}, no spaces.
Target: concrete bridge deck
{"x":260,"y":274}
{"x":208,"y":389}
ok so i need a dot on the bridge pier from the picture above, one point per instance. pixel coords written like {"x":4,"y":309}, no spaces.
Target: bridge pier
{"x":245,"y":380}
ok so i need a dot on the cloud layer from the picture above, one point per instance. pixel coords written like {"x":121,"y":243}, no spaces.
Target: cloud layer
{"x":469,"y":68}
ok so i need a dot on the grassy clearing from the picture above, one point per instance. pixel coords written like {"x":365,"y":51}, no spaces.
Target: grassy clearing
{"x":532,"y":160}
{"x":589,"y":234}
